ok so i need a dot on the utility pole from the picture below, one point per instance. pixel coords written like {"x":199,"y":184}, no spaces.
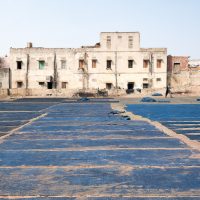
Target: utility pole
{"x":116,"y":72}
{"x":151,"y":69}
{"x":55,"y":76}
{"x":85,"y":74}
{"x":27,"y":73}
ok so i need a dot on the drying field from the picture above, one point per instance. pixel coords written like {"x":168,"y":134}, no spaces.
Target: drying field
{"x":68,"y":149}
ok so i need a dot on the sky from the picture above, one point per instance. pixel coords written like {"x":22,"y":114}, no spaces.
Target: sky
{"x":173,"y":24}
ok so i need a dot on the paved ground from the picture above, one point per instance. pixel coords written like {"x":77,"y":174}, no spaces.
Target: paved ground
{"x":82,"y":151}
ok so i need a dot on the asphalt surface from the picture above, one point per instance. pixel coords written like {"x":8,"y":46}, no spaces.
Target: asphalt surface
{"x":63,"y":149}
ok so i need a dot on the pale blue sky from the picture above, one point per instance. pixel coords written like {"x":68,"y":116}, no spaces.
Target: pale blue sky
{"x":174,"y":24}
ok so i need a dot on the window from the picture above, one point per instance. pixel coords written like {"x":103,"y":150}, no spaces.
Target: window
{"x":159,"y":63}
{"x":19,"y":64}
{"x":158,"y":79}
{"x":145,"y":63}
{"x":109,"y":64}
{"x":119,"y":37}
{"x":64,"y":85}
{"x":41,"y":64}
{"x":145,"y":85}
{"x":108,"y":86}
{"x":130,"y":63}
{"x":177,"y":68}
{"x":42,"y":84}
{"x":94,"y":63}
{"x":108,"y":42}
{"x":19,"y":84}
{"x":0,"y":84}
{"x":63,"y":64}
{"x":130,"y":42}
{"x":145,"y":79}
{"x":81,"y":64}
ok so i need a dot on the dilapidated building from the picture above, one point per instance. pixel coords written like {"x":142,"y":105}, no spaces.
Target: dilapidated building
{"x":116,"y":63}
{"x":183,"y":74}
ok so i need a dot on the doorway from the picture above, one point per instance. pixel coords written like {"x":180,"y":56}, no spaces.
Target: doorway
{"x":130,"y":85}
{"x":49,"y":85}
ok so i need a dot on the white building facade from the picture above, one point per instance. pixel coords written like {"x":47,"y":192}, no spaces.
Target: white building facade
{"x":117,"y":62}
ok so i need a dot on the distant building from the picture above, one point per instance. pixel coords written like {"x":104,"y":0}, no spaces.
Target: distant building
{"x":194,"y":63}
{"x":117,"y":62}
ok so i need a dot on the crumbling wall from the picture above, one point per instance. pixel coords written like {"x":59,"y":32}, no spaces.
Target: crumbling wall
{"x":186,"y":82}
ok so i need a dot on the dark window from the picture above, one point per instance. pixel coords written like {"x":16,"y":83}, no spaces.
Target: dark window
{"x":19,"y":64}
{"x":64,"y":85}
{"x":159,"y":63}
{"x":0,"y":84}
{"x":94,"y":63}
{"x":158,"y":79}
{"x":42,"y":84}
{"x":108,"y":86}
{"x":19,"y":84}
{"x":145,"y":63}
{"x":145,"y":85}
{"x":81,"y":64}
{"x":130,"y":64}
{"x":109,"y":64}
{"x":41,"y":64}
{"x":145,"y":79}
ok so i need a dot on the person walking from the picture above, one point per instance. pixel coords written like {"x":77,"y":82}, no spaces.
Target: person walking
{"x":168,"y":91}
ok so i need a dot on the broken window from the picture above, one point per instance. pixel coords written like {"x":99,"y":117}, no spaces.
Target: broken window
{"x":130,"y":42}
{"x":109,"y":64}
{"x":63,"y":64}
{"x":64,"y":85}
{"x":19,"y":84}
{"x":158,"y":79}
{"x":94,"y":63}
{"x":81,"y":64}
{"x":19,"y":64}
{"x":130,"y":63}
{"x":108,"y":86}
{"x":108,"y":42}
{"x":177,"y":68}
{"x":159,"y":63}
{"x":42,"y":84}
{"x":146,"y":63}
{"x":41,"y":64}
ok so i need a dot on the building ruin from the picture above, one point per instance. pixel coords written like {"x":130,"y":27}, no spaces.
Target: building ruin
{"x":117,"y":63}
